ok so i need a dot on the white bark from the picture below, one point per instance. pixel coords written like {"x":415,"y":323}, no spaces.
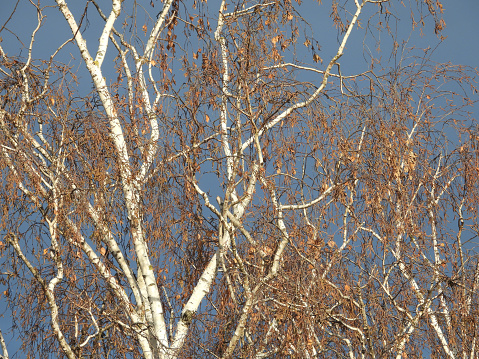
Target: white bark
{"x":320,"y":88}
{"x":49,"y":294}
{"x":4,"y":347}
{"x":130,"y":186}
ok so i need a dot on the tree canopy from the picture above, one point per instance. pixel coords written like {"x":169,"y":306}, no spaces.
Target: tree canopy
{"x":208,"y":179}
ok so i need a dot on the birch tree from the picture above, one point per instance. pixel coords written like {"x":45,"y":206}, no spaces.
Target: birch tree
{"x":186,"y":179}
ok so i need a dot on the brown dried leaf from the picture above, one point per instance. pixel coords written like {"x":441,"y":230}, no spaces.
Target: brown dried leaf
{"x":316,"y":58}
